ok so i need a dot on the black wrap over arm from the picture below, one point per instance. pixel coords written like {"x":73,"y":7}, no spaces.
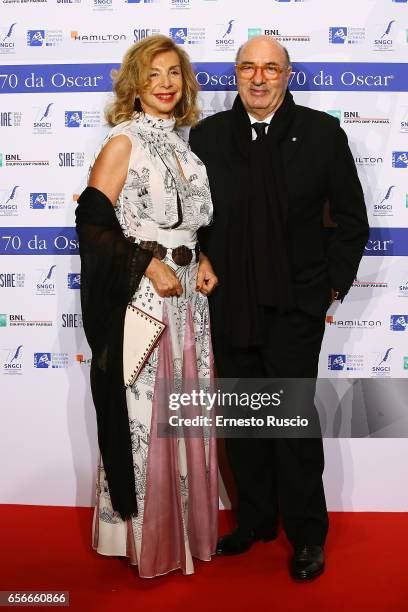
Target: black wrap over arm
{"x":111,"y":270}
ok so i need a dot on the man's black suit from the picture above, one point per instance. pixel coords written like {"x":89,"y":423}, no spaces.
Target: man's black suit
{"x":316,"y":166}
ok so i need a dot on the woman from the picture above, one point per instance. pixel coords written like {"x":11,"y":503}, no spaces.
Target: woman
{"x":147,"y":195}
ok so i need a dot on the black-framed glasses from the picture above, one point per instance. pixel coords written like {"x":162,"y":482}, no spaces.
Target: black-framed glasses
{"x":271,"y":72}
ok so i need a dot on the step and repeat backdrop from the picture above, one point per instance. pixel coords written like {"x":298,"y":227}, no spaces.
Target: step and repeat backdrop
{"x":350,"y":59}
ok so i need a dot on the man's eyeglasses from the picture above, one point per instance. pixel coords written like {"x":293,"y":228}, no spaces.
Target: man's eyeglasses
{"x":271,"y":72}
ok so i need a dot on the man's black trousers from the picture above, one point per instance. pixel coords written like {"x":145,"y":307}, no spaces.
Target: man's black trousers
{"x":279,"y":476}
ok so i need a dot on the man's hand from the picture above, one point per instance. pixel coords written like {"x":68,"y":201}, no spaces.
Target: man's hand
{"x":334,"y":295}
{"x":206,"y":278}
{"x":163,"y":278}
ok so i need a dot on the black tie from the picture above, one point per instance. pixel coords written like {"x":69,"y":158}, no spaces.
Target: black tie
{"x":260,"y":130}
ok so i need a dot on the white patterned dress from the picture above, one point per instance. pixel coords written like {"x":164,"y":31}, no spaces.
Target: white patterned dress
{"x":176,"y":478}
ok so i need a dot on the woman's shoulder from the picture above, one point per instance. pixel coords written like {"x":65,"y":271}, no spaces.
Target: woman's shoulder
{"x":114,"y":149}
{"x":124,"y":127}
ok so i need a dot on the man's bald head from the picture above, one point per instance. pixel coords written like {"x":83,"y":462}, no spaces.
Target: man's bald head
{"x":259,"y":43}
{"x":263,"y":71}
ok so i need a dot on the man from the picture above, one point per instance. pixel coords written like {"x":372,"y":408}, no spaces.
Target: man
{"x":272,"y":165}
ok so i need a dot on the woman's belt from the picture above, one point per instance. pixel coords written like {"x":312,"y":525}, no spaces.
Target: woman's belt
{"x":182,"y":255}
{"x":167,"y":237}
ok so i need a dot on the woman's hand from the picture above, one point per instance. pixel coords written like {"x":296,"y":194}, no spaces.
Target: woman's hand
{"x":163,"y":278}
{"x":206,"y":278}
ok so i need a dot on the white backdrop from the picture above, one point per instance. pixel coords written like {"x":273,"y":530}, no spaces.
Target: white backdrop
{"x":350,"y":59}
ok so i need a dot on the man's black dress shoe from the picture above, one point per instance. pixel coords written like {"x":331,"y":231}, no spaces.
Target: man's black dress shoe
{"x":307,"y":562}
{"x":241,"y":540}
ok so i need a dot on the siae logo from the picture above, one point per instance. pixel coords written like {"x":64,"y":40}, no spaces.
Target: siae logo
{"x":141,"y":33}
{"x":71,"y":320}
{"x":10,"y":119}
{"x":12,"y":280}
{"x":70,"y":159}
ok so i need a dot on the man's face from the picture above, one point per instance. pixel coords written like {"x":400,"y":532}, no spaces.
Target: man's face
{"x":263,"y":92}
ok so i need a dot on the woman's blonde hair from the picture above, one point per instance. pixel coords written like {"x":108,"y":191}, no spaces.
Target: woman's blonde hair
{"x":132,"y":78}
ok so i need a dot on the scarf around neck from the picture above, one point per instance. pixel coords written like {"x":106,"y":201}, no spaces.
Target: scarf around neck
{"x":260,"y":266}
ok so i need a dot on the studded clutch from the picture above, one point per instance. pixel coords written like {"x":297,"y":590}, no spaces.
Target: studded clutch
{"x":141,"y":334}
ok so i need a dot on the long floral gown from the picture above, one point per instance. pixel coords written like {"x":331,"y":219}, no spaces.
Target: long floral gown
{"x":164,"y":201}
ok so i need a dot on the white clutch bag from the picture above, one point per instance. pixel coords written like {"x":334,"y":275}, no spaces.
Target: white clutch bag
{"x":141,"y":334}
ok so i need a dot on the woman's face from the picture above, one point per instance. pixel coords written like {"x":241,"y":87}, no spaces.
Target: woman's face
{"x":165,"y":86}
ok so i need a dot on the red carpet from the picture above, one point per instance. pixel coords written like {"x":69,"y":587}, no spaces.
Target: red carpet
{"x":49,"y":548}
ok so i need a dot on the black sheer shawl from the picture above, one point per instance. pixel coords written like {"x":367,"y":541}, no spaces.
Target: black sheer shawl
{"x":111,"y":270}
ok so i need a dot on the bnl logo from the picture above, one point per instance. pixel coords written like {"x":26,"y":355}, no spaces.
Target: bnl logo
{"x":74,"y":280}
{"x":400,"y":159}
{"x":42,"y":360}
{"x":179,"y":35}
{"x":335,"y":113}
{"x":73,"y":119}
{"x":337,"y":35}
{"x":337,"y":362}
{"x":399,"y":322}
{"x":401,"y":1}
{"x":35,"y":38}
{"x":38,"y":200}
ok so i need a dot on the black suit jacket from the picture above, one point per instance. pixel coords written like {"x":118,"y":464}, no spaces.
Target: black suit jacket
{"x":318,"y":167}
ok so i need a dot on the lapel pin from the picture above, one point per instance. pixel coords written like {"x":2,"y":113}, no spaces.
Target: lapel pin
{"x":294,"y":139}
